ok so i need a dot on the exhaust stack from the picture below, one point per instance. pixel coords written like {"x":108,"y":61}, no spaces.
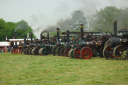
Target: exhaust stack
{"x":15,"y":35}
{"x":25,"y":39}
{"x":67,"y":37}
{"x":115,"y":27}
{"x":41,"y":38}
{"x":48,"y":37}
{"x":58,"y":34}
{"x":31,"y":37}
{"x":81,"y":28}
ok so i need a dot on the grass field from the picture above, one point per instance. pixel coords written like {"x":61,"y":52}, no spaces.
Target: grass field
{"x":57,"y":70}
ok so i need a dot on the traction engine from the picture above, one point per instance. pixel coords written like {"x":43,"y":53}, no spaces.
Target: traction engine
{"x":116,"y":46}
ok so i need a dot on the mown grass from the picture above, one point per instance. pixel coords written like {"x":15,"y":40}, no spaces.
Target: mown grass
{"x":57,"y":70}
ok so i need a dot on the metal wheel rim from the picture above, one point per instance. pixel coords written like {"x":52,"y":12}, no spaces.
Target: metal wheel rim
{"x":119,"y":55}
{"x":86,"y":53}
{"x":77,"y":53}
{"x":58,"y":50}
{"x":54,"y":51}
{"x":62,"y":52}
{"x":12,"y":51}
{"x":66,"y":52}
{"x":108,"y":55}
{"x":40,"y":51}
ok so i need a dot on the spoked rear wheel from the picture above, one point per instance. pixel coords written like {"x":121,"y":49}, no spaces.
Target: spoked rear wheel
{"x":62,"y":52}
{"x":25,"y":50}
{"x":12,"y":51}
{"x":86,"y":53}
{"x":70,"y":53}
{"x":66,"y":52}
{"x":120,"y":52}
{"x":58,"y":50}
{"x":22,"y":51}
{"x":108,"y":52}
{"x":30,"y":51}
{"x":54,"y":51}
{"x":40,"y":51}
{"x":33,"y":51}
{"x":17,"y":51}
{"x":77,"y":53}
{"x":36,"y":51}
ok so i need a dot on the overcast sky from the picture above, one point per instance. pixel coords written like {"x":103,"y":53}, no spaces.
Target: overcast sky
{"x":48,"y":12}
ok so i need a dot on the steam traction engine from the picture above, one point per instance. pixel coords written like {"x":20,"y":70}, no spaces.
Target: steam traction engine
{"x":116,"y":46}
{"x":86,"y":49}
{"x":46,"y":46}
{"x":16,"y":48}
{"x":59,"y":45}
{"x":69,"y":46}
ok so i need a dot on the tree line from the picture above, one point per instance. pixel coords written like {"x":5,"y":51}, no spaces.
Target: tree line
{"x":7,"y":29}
{"x":101,"y":21}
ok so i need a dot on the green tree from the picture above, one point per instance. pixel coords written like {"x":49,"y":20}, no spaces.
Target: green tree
{"x":70,"y":24}
{"x":123,"y":19}
{"x":77,"y":19}
{"x":74,"y":23}
{"x":2,"y":22}
{"x":22,"y":28}
{"x":7,"y":29}
{"x":103,"y":20}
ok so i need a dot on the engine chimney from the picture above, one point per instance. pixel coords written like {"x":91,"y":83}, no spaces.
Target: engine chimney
{"x":115,"y":27}
{"x":67,"y":37}
{"x":58,"y":34}
{"x":81,"y":28}
{"x":40,"y":38}
{"x":25,"y":39}
{"x":48,"y":37}
{"x":31,"y":37}
{"x":15,"y":35}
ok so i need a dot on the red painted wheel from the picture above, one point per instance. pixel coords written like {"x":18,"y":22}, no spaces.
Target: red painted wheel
{"x":77,"y":53}
{"x":86,"y":53}
{"x":108,"y":52}
{"x":120,"y":52}
{"x":66,"y":52}
{"x":12,"y":51}
{"x":17,"y":51}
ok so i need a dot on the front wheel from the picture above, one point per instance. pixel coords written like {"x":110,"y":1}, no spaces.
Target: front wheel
{"x":120,"y":52}
{"x":54,"y":51}
{"x":86,"y":53}
{"x":77,"y":53}
{"x":108,"y":52}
